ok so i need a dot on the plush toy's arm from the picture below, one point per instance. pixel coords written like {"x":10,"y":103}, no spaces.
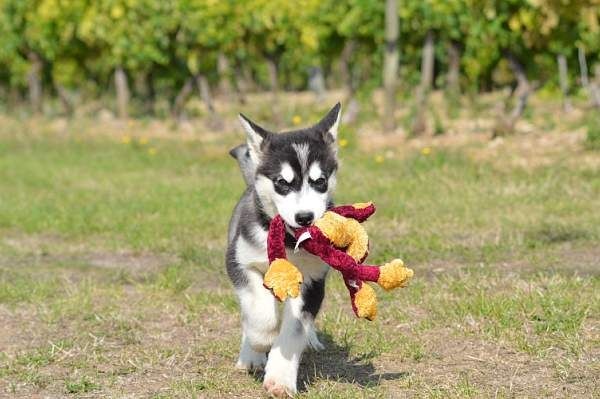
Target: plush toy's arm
{"x":276,"y":239}
{"x":358,"y":211}
{"x":282,"y":277}
{"x":320,"y":246}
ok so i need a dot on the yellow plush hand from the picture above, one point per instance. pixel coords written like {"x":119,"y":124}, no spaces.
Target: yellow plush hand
{"x":346,"y":233}
{"x":366,"y":302}
{"x":283,"y":278}
{"x":394,"y":274}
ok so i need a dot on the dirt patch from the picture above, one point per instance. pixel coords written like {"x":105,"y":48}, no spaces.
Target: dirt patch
{"x":474,"y":366}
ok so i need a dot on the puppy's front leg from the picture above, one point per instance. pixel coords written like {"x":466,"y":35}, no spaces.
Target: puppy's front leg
{"x":259,"y":321}
{"x":281,"y":371}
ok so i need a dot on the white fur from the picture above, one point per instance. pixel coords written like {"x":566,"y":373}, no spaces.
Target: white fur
{"x":287,"y":172}
{"x":297,"y":331}
{"x":259,"y":318}
{"x":315,"y":171}
{"x":250,"y":255}
{"x":305,"y":200}
{"x":302,"y":151}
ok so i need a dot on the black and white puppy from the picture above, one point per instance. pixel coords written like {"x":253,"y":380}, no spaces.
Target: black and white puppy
{"x":292,"y":174}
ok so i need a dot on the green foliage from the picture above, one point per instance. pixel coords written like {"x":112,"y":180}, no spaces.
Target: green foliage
{"x":81,"y":41}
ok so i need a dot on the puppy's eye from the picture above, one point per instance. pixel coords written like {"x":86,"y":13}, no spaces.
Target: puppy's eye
{"x":282,"y":182}
{"x":320,"y":181}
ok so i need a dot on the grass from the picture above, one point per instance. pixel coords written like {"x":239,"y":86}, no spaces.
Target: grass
{"x":593,"y":133}
{"x":111,"y":259}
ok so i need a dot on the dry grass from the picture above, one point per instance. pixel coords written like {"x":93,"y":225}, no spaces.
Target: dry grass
{"x":112,"y":284}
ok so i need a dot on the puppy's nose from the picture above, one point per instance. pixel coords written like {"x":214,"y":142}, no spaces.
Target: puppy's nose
{"x":304,"y":218}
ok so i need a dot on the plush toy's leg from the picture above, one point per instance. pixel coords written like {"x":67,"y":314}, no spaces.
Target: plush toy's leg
{"x":394,"y":274}
{"x":391,"y":275}
{"x":363,"y":298}
{"x":283,"y":278}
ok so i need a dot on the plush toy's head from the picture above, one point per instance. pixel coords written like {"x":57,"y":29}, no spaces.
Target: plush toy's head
{"x":295,"y":171}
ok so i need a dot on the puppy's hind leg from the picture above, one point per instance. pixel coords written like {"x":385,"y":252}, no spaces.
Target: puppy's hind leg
{"x":259,"y":322}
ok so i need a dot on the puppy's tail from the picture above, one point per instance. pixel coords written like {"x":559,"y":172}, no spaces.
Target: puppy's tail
{"x":242,"y":156}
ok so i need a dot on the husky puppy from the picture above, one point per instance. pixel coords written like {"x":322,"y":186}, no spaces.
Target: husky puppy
{"x":292,"y":174}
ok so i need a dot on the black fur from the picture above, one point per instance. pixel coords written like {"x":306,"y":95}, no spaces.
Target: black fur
{"x":313,"y":295}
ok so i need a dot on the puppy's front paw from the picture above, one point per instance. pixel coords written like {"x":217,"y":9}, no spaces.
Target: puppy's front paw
{"x":283,"y":278}
{"x":278,"y":390}
{"x":250,"y":360}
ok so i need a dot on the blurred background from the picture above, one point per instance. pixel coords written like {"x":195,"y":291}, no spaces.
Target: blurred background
{"x":143,"y":58}
{"x":473,"y":125}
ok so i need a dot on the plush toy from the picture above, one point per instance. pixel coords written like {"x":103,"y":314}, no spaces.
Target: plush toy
{"x":341,"y":241}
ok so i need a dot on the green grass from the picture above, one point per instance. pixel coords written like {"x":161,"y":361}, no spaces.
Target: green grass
{"x":113,"y":258}
{"x":593,"y":133}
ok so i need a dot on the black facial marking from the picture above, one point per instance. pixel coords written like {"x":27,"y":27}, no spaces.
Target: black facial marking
{"x":280,"y":149}
{"x":319,"y":185}
{"x":282,"y":186}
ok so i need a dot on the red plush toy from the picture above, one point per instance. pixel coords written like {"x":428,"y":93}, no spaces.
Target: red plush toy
{"x":341,"y":241}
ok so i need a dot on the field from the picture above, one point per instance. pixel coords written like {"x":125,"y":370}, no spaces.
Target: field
{"x":112,"y":281}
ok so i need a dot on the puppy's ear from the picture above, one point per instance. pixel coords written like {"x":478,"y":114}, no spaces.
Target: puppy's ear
{"x":238,"y":151}
{"x":327,"y":127}
{"x":256,"y":138}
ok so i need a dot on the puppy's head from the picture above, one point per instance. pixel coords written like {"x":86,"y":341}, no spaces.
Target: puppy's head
{"x":295,"y":171}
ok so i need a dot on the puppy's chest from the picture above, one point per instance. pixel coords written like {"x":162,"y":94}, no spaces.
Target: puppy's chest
{"x":309,"y":265}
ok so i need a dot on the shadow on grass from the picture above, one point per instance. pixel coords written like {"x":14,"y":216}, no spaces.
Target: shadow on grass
{"x":335,"y":363}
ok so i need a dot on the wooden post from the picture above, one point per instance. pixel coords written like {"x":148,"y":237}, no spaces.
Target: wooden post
{"x":182,"y":97}
{"x":390,"y":64}
{"x":453,"y":70}
{"x":34,"y":81}
{"x":419,"y":124}
{"x":122,"y":89}
{"x":583,"y":68}
{"x":564,"y":81}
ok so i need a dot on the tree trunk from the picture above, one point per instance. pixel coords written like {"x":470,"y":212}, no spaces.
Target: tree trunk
{"x":144,"y":88}
{"x":64,"y":96}
{"x":224,"y":72}
{"x":346,"y":69}
{"x":595,"y":87}
{"x":122,"y":89}
{"x":316,"y":82}
{"x":203,"y":86}
{"x":390,"y":65}
{"x":454,"y":70}
{"x":34,"y":81}
{"x":205,"y":93}
{"x":273,"y":76}
{"x":583,"y":69}
{"x":564,"y":81}
{"x":181,"y":99}
{"x":419,"y":125}
{"x":506,"y":123}
{"x":241,"y":85}
{"x":427,"y":62}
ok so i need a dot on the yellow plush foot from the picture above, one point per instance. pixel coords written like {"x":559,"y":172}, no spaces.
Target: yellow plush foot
{"x":366,"y":302}
{"x":283,"y":278}
{"x":394,"y":274}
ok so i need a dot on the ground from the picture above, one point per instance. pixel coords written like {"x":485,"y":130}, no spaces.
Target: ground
{"x":112,"y":281}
